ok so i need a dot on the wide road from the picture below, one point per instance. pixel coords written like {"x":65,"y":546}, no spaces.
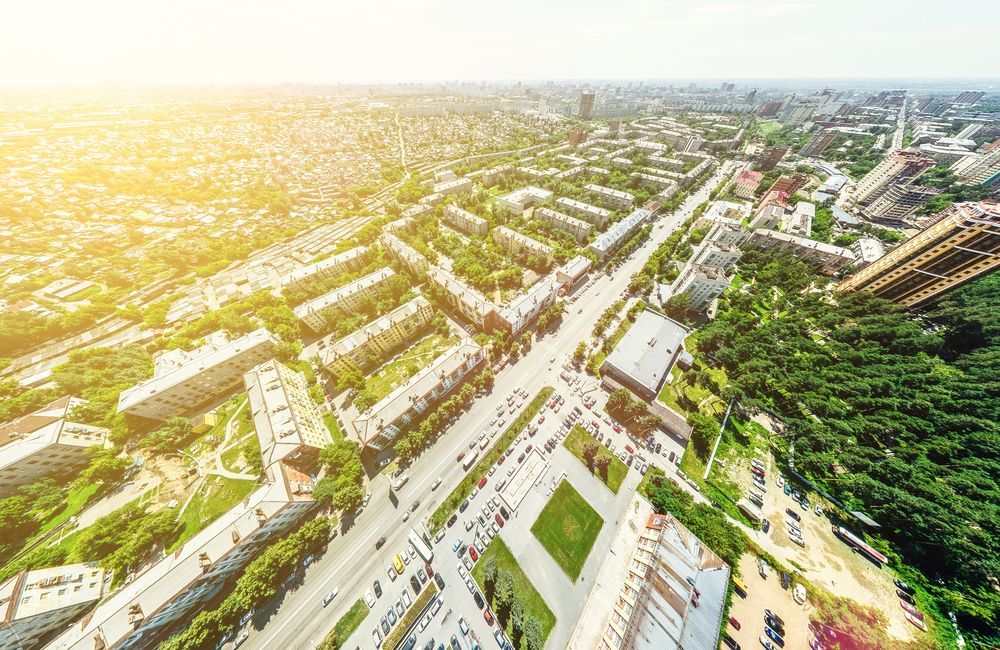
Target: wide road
{"x":351,"y":562}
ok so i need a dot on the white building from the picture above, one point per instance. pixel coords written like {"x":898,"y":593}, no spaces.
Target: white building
{"x":465,"y":220}
{"x":516,"y":202}
{"x":183,"y":380}
{"x":316,"y":313}
{"x":611,"y":240}
{"x":592,"y":213}
{"x":867,"y":250}
{"x":378,"y":338}
{"x":579,"y":228}
{"x":327,"y":268}
{"x":525,"y":308}
{"x":611,"y":198}
{"x":519,"y":244}
{"x":703,"y":284}
{"x":716,"y":253}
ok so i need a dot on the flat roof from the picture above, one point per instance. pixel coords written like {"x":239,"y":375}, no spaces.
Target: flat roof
{"x":648,"y":350}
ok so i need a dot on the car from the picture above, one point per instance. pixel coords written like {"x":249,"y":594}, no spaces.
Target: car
{"x":397,"y":562}
{"x":504,"y":513}
{"x":476,"y":596}
{"x":774,"y":625}
{"x":771,"y":614}
{"x":378,"y":589}
{"x":439,"y":580}
{"x":400,"y":482}
{"x":436,"y":483}
{"x":376,"y":638}
{"x":369,"y":598}
{"x":391,"y":572}
{"x":794,"y":515}
{"x":541,"y":418}
{"x":399,"y":607}
{"x":757,"y":471}
{"x":671,"y":457}
{"x":767,"y":644}
{"x":730,"y":642}
{"x":804,"y":504}
{"x":436,"y":607}
{"x":379,"y":543}
{"x":474,"y":493}
{"x":391,"y":615}
{"x":473,"y":552}
{"x":905,"y":597}
{"x":488,"y":616}
{"x":498,"y":519}
{"x":904,"y":587}
{"x":424,"y":622}
{"x":480,"y":544}
{"x":818,"y":510}
{"x":463,"y":626}
{"x":422,"y":575}
{"x":780,"y":481}
{"x":528,"y":449}
{"x":734,"y":622}
{"x":451,"y":522}
{"x":470,"y":585}
{"x":428,"y":569}
{"x":788,"y":489}
{"x":462,"y":572}
{"x":454,"y":643}
{"x":459,"y":543}
{"x":385,"y":625}
{"x":774,"y":636}
{"x":464,"y":506}
{"x":482,"y":483}
{"x":415,"y":584}
{"x":368,"y":497}
{"x":502,"y":458}
{"x":765,"y":526}
{"x":405,"y":596}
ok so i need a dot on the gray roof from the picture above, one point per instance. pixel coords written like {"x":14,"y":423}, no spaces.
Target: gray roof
{"x":648,"y":350}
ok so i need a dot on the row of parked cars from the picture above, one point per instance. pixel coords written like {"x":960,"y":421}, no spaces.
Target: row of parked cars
{"x":396,"y":610}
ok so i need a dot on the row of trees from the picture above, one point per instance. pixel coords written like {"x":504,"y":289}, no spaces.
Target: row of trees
{"x":632,"y":413}
{"x":509,"y":607}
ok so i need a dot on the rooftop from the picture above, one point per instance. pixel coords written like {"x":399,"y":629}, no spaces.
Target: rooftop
{"x":648,"y":350}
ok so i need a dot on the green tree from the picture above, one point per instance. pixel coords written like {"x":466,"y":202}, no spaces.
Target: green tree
{"x":704,"y":430}
{"x":352,"y":378}
{"x":590,"y":449}
{"x":677,"y":306}
{"x":504,"y":594}
{"x":533,"y":638}
{"x":490,"y":574}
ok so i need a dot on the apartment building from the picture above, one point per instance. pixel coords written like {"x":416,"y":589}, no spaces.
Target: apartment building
{"x":494,"y":175}
{"x":746,"y":184}
{"x":523,"y":309}
{"x":614,"y":237}
{"x":652,"y":181}
{"x":799,"y":221}
{"x":405,"y":254}
{"x":152,"y":604}
{"x":769,"y":157}
{"x":378,"y":338}
{"x":770,"y":213}
{"x":724,"y":212}
{"x":959,"y":245}
{"x":829,"y":258}
{"x":867,"y":250}
{"x":572,"y":272}
{"x":465,"y":220}
{"x":592,"y":213}
{"x":521,"y":245}
{"x":464,"y":299}
{"x":453,"y":186}
{"x":183,"y":380}
{"x":727,"y":232}
{"x":897,"y":168}
{"x":609,"y":198}
{"x":46,"y":442}
{"x":36,"y":603}
{"x":577,"y":227}
{"x":818,"y":143}
{"x":983,"y":169}
{"x":328,"y":268}
{"x":516,"y":202}
{"x":702,"y":283}
{"x":716,"y":253}
{"x":289,"y":423}
{"x":662,"y":162}
{"x":316,"y":313}
{"x":383,"y":422}
{"x":899,"y":202}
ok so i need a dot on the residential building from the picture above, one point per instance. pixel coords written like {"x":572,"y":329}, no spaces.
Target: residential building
{"x":769,"y":157}
{"x":592,"y":213}
{"x":653,"y":181}
{"x":316,"y":313}
{"x":724,"y":212}
{"x":327,"y":268}
{"x":153,"y":603}
{"x":897,"y":168}
{"x":746,"y":184}
{"x":523,"y":309}
{"x":382,"y":423}
{"x":183,"y":380}
{"x":829,"y":258}
{"x":788,"y":184}
{"x":899,"y":202}
{"x":716,"y":253}
{"x":377,"y":339}
{"x":673,"y":593}
{"x":643,"y":358}
{"x":570,"y":273}
{"x":471,"y":304}
{"x":586,"y":105}
{"x":521,"y":245}
{"x":818,"y":143}
{"x":46,"y":442}
{"x":289,"y":423}
{"x":727,"y":232}
{"x":516,"y":202}
{"x":867,"y":250}
{"x":702,"y":284}
{"x":577,"y":137}
{"x":454,"y":186}
{"x":577,"y":227}
{"x":771,"y":212}
{"x":35,"y":603}
{"x":799,"y":221}
{"x":494,"y":175}
{"x":404,"y":254}
{"x":980,"y":170}
{"x":465,"y":220}
{"x":609,"y":198}
{"x":614,"y":237}
{"x":960,"y":244}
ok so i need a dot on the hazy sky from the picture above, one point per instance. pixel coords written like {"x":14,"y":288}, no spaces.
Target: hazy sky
{"x":239,"y":41}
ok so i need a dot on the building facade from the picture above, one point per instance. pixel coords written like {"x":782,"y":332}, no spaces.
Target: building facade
{"x":897,"y":168}
{"x":702,"y":284}
{"x":316,"y":313}
{"x":465,"y":220}
{"x":609,"y":198}
{"x":324,"y":269}
{"x":577,"y":227}
{"x":899,"y":202}
{"x":818,"y":143}
{"x":521,"y":245}
{"x":592,"y":213}
{"x":614,"y":237}
{"x":378,"y":338}
{"x":829,"y":258}
{"x":468,"y":302}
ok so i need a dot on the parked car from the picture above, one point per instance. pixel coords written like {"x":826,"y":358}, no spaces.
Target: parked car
{"x":327,"y":599}
{"x":905,"y":597}
{"x":771,"y":614}
{"x":794,"y":515}
{"x":378,"y":589}
{"x":473,"y":553}
{"x":734,"y":622}
{"x":765,"y":526}
{"x":904,"y":587}
{"x":774,"y":636}
{"x":476,"y":596}
{"x":439,"y":580}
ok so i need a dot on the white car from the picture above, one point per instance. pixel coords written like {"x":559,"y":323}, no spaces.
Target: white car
{"x":405,"y":595}
{"x":780,"y":481}
{"x":377,"y":638}
{"x":330,"y":596}
{"x":369,"y":598}
{"x":436,"y":483}
{"x":412,"y":552}
{"x":471,"y":585}
{"x":475,"y":491}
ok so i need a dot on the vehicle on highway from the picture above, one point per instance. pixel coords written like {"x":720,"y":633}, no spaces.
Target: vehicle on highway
{"x":436,"y":483}
{"x":400,"y":482}
{"x":379,"y":543}
{"x":327,"y":599}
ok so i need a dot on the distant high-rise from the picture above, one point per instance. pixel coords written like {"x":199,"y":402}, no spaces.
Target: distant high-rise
{"x":961,"y":244}
{"x":769,"y":157}
{"x":897,"y":168}
{"x":899,"y":202}
{"x":577,"y":137}
{"x":768,"y":109}
{"x":968,"y":97}
{"x":818,"y":143}
{"x":981,"y":170}
{"x":586,"y":104}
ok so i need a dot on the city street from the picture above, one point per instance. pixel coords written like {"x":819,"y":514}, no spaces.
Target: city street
{"x":351,"y":562}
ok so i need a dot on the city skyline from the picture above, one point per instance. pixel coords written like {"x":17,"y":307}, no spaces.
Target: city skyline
{"x":260,"y":43}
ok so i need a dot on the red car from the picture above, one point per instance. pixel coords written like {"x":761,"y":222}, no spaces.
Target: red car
{"x":587,"y":404}
{"x":488,"y":616}
{"x":482,"y":483}
{"x":541,"y":418}
{"x":499,"y":519}
{"x":502,"y":458}
{"x":758,"y":472}
{"x":734,"y":622}
{"x":473,"y":552}
{"x":617,"y":428}
{"x":429,"y":570}
{"x":629,"y":449}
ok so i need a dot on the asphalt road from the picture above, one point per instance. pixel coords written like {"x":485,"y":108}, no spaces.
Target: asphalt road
{"x":351,"y":562}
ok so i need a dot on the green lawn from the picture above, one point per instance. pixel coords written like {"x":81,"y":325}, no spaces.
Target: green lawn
{"x":617,"y":470}
{"x":534,"y":604}
{"x":76,"y":499}
{"x":464,"y":488}
{"x":567,"y":528}
{"x":396,"y":372}
{"x":240,"y":456}
{"x":210,"y":503}
{"x":345,"y":626}
{"x":331,"y":423}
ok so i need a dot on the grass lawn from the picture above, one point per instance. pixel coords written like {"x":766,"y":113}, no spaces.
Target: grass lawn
{"x":345,"y":626}
{"x":768,"y":127}
{"x":409,"y":363}
{"x":210,"y":503}
{"x":534,"y":604}
{"x":464,"y":488}
{"x":395,"y":637}
{"x":236,"y":458}
{"x":617,"y":470}
{"x":567,"y":528}
{"x":76,"y":499}
{"x":331,"y":423}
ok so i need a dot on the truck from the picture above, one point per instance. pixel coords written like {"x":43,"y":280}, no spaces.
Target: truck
{"x":859,"y":545}
{"x":420,"y":546}
{"x":470,"y":460}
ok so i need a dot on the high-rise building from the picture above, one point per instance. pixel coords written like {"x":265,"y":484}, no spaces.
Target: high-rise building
{"x":899,"y":202}
{"x":769,"y":157}
{"x":818,"y":143}
{"x":968,"y":97}
{"x":980,"y":170}
{"x":586,"y":104}
{"x":897,"y":168}
{"x":961,"y":244}
{"x":577,"y":137}
{"x":768,"y":109}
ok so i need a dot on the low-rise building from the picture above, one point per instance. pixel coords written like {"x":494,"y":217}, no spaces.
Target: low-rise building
{"x":652,"y":181}
{"x":592,"y":213}
{"x":643,"y":358}
{"x":382,"y":423}
{"x":453,"y":186}
{"x":717,"y":253}
{"x":405,"y":254}
{"x":465,"y":220}
{"x":799,"y":221}
{"x":867,"y":250}
{"x":35,"y":603}
{"x":516,"y":202}
{"x":523,"y":309}
{"x":471,"y":304}
{"x":614,"y":237}
{"x":572,"y":272}
{"x":183,"y":380}
{"x":727,"y":232}
{"x":828,"y":257}
{"x":610,"y":198}
{"x":746,"y":184}
{"x":327,"y":268}
{"x":289,"y":424}
{"x":377,"y":339}
{"x":316,"y":313}
{"x":46,"y":442}
{"x":579,"y":228}
{"x":494,"y":175}
{"x":521,"y":245}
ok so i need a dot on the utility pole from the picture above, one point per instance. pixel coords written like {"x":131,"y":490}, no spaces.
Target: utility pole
{"x":715,"y":448}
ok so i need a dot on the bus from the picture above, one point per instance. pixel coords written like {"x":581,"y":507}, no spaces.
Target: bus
{"x":859,"y":545}
{"x":470,"y":460}
{"x":421,"y":547}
